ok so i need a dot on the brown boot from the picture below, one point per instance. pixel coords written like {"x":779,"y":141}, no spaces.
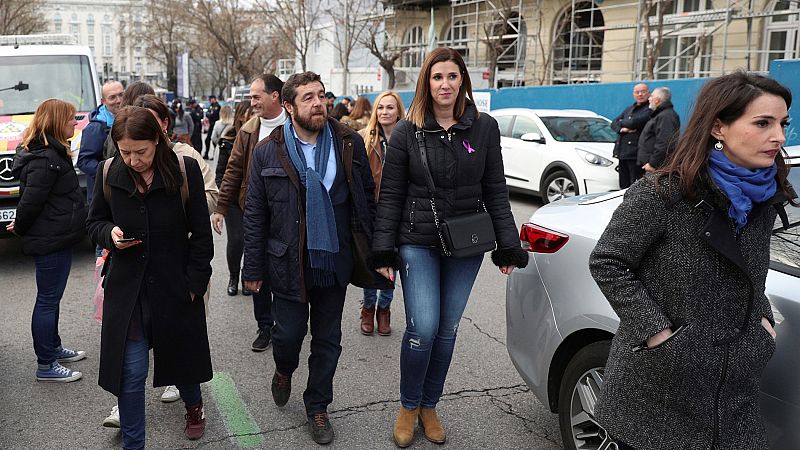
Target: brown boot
{"x":367,"y":321}
{"x":429,"y":420}
{"x":384,"y":320}
{"x":195,"y":422}
{"x":404,"y":427}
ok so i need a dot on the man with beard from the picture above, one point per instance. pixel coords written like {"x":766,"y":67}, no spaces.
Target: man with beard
{"x":309,"y":203}
{"x":265,"y":101}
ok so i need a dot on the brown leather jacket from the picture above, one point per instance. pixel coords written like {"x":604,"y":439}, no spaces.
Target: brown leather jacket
{"x":373,"y":146}
{"x":234,"y":182}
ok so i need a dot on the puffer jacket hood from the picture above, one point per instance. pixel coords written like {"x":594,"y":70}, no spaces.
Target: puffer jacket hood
{"x":36,"y":149}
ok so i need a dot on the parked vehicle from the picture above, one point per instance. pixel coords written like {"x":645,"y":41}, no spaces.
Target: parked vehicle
{"x":29,"y":66}
{"x":557,"y":153}
{"x":560,"y":326}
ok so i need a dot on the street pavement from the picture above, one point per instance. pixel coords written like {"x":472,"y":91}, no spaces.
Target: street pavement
{"x":486,"y":404}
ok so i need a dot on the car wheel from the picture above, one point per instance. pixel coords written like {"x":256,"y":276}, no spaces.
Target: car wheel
{"x":579,"y":392}
{"x":558,"y":185}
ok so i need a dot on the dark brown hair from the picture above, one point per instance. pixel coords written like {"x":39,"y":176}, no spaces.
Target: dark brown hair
{"x":725,"y":99}
{"x":157,"y":105}
{"x":241,"y":115}
{"x":423,"y":102}
{"x":339,"y":111}
{"x":271,"y":83}
{"x":289,"y":91}
{"x":139,"y":124}
{"x":134,"y":91}
{"x":361,"y":109}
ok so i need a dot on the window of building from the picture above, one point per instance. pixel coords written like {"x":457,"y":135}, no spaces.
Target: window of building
{"x":90,"y":22}
{"x":578,"y":48}
{"x":108,"y":42}
{"x":91,"y":42}
{"x":781,"y":36}
{"x":684,"y":6}
{"x":456,"y":38}
{"x":57,"y":23}
{"x":415,"y":43}
{"x":511,"y":42}
{"x":138,"y":68}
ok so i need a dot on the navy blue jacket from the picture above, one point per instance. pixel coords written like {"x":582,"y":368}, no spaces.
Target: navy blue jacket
{"x":275,"y":220}
{"x":93,"y":141}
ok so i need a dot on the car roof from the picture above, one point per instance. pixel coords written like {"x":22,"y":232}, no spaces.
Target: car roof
{"x":44,"y":50}
{"x":547,"y":112}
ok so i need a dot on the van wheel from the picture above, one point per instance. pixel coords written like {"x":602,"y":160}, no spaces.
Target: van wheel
{"x":558,"y":185}
{"x":578,"y":394}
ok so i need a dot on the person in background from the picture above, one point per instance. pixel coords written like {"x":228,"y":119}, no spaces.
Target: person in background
{"x":348,"y":103}
{"x":93,"y":137}
{"x":660,"y":133}
{"x":359,"y":115}
{"x":629,"y":125}
{"x":339,"y":111}
{"x":683,"y":263}
{"x":134,"y":91}
{"x":155,"y":285}
{"x":213,"y":115}
{"x":225,"y":121}
{"x":51,"y":216}
{"x":183,"y":127}
{"x":196,"y":111}
{"x":387,"y":112}
{"x":330,"y":99}
{"x":466,"y":163}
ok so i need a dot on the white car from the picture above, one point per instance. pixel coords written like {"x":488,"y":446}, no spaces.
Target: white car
{"x":557,"y":153}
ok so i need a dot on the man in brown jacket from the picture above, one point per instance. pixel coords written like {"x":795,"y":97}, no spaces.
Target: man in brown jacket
{"x":265,"y":100}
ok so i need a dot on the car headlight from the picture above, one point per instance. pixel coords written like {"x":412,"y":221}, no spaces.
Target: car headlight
{"x":594,"y":159}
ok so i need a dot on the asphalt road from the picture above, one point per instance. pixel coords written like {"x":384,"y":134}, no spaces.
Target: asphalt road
{"x":486,"y":405}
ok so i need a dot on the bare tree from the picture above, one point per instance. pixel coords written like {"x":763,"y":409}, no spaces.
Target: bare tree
{"x":377,"y":40}
{"x":162,"y":35}
{"x":349,"y":23}
{"x":653,"y":44}
{"x":22,"y":17}
{"x":293,"y":21}
{"x":503,"y":22}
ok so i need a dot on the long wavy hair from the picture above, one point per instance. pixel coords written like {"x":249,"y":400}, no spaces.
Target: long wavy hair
{"x":423,"y":102}
{"x":725,"y":99}
{"x":139,"y":124}
{"x":372,"y":127}
{"x":50,"y":119}
{"x":361,"y":108}
{"x":241,"y":114}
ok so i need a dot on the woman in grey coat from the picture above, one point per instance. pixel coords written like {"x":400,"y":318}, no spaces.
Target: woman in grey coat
{"x":683,"y":263}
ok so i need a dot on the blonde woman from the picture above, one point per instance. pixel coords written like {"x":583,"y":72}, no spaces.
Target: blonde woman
{"x":51,"y":217}
{"x":225,"y":120}
{"x":387,"y":112}
{"x":359,"y":116}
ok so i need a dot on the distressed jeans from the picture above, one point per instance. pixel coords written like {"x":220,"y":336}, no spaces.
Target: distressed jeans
{"x":435,"y":292}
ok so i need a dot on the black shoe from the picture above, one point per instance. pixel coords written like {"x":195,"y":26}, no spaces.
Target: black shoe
{"x":321,"y":428}
{"x":246,"y":291}
{"x":281,"y":388}
{"x":262,"y":341}
{"x":233,"y":285}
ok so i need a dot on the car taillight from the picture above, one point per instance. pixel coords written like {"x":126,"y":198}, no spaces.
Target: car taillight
{"x":541,"y":240}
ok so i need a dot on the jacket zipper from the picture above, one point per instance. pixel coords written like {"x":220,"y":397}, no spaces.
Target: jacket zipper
{"x":714,"y":443}
{"x":411,"y":216}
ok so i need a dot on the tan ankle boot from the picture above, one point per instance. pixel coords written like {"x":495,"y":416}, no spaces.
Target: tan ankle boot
{"x":367,"y":321}
{"x":404,"y":426}
{"x":434,"y":431}
{"x":383,"y":317}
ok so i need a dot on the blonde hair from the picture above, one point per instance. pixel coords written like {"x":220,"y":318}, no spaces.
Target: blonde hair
{"x":422,"y":102}
{"x":372,"y":126}
{"x":226,"y":115}
{"x":50,"y":118}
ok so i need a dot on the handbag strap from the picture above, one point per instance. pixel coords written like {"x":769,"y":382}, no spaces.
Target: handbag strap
{"x":423,"y":153}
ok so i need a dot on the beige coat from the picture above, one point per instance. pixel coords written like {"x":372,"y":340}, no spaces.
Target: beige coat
{"x":212,"y":193}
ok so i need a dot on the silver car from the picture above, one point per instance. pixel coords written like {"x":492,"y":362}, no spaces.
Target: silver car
{"x":560,"y":325}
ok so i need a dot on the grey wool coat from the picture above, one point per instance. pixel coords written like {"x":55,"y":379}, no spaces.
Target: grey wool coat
{"x":670,"y":261}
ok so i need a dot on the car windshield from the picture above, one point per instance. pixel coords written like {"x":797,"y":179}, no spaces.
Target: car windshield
{"x":785,"y":245}
{"x":580,"y":129}
{"x":66,"y":77}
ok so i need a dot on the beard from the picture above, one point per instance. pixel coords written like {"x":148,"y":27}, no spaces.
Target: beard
{"x":311,"y":123}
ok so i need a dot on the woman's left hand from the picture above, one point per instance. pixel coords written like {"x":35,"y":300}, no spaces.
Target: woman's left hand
{"x":10,"y":226}
{"x":768,"y":326}
{"x":506,"y":270}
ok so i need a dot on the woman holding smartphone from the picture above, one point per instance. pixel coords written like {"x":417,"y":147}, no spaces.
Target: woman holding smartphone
{"x":150,"y":209}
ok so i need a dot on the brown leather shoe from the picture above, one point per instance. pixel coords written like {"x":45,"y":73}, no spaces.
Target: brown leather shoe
{"x":429,"y":420}
{"x":195,"y":422}
{"x":404,"y":427}
{"x":367,"y":321}
{"x":384,"y":320}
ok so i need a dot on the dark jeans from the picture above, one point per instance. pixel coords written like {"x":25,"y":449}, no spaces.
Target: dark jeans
{"x":197,"y":141}
{"x":208,"y":138}
{"x":435,"y":293}
{"x":131,"y":398}
{"x":52,"y":271}
{"x":291,"y":327}
{"x":382,"y":298}
{"x":629,"y":172}
{"x":262,"y":309}
{"x":235,"y":248}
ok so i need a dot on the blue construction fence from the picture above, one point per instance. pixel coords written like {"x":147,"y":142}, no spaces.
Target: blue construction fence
{"x":609,"y":99}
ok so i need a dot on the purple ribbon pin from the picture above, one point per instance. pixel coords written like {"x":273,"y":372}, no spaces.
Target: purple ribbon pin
{"x":468,"y":147}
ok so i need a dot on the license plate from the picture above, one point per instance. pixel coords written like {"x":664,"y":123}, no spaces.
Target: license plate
{"x":7,"y":215}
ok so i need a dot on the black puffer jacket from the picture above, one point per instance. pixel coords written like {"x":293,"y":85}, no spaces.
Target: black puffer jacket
{"x":659,"y":136}
{"x":51,"y":214}
{"x":467,"y":167}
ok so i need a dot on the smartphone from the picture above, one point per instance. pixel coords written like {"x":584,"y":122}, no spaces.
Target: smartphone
{"x":124,"y":240}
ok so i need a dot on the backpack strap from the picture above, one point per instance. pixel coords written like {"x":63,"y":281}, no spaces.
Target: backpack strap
{"x":106,"y":190}
{"x":184,"y":185}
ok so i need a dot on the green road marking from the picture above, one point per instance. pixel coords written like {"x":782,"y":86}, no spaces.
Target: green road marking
{"x":237,"y":419}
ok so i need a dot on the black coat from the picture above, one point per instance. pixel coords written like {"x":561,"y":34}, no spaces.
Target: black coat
{"x":659,"y":136}
{"x":172,"y":261}
{"x":634,"y":117}
{"x":463,"y":180}
{"x":671,"y":262}
{"x":51,"y":213}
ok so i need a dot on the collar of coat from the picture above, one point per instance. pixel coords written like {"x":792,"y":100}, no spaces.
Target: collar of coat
{"x":118,"y":175}
{"x":464,"y":122}
{"x":662,"y":107}
{"x":252,"y":125}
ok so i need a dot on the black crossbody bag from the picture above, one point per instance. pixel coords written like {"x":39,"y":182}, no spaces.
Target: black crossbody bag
{"x":461,"y":236}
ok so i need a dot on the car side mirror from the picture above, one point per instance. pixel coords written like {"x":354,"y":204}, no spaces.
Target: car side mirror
{"x":533,"y":137}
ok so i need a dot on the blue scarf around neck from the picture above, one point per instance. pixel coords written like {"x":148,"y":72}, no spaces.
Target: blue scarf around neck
{"x":322,"y":240}
{"x":742,"y":186}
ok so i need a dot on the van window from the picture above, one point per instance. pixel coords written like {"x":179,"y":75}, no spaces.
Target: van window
{"x":65,"y":77}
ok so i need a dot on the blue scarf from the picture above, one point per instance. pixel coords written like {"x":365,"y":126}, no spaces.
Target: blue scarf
{"x":742,"y":186}
{"x":322,"y":240}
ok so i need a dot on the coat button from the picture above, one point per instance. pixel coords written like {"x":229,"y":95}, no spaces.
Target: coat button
{"x":630,"y":142}
{"x":141,"y":209}
{"x":708,"y":234}
{"x":151,"y":280}
{"x":736,"y":330}
{"x":144,"y":255}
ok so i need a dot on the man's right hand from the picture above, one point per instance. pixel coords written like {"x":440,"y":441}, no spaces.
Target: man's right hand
{"x":216,"y":222}
{"x":254,"y":286}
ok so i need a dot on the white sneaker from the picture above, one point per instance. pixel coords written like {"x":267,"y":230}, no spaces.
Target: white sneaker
{"x":112,"y":421}
{"x":171,"y":394}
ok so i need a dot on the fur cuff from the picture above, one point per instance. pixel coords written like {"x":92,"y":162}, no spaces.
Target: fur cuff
{"x":514,"y":256}
{"x":383,"y":258}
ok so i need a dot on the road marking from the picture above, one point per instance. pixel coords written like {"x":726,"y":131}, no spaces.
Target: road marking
{"x":230,"y":405}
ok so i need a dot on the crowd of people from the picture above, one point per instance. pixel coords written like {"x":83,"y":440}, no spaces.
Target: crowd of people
{"x":316,"y":196}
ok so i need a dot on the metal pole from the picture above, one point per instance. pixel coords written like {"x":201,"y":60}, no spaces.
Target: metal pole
{"x":637,"y":66}
{"x":749,"y":34}
{"x":571,"y":32}
{"x":519,"y":40}
{"x":725,"y":35}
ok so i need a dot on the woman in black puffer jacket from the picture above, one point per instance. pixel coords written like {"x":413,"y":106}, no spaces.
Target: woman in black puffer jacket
{"x":51,"y":217}
{"x":464,"y":156}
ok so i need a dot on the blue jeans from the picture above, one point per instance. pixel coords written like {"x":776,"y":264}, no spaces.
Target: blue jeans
{"x":435,"y":292}
{"x":52,"y":271}
{"x":131,"y":397}
{"x":373,"y":296}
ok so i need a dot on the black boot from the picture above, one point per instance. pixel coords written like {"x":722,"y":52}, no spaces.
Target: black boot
{"x":233,"y":284}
